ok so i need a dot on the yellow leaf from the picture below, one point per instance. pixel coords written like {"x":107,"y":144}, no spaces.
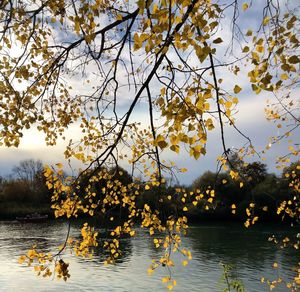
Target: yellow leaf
{"x":79,"y":156}
{"x":163,"y":91}
{"x":22,"y":259}
{"x":260,"y":49}
{"x":174,"y":148}
{"x":249,"y":32}
{"x":160,"y":141}
{"x":147,"y":187}
{"x":49,"y":185}
{"x":77,"y":26}
{"x":254,"y":220}
{"x":266,"y":20}
{"x":119,"y":17}
{"x":217,"y":41}
{"x":246,"y":49}
{"x":245,"y":6}
{"x":162,"y":144}
{"x":59,"y":165}
{"x":206,"y":106}
{"x":184,"y":263}
{"x":137,"y":42}
{"x":294,"y":59}
{"x":228,"y":104}
{"x":47,"y":171}
{"x":241,"y":184}
{"x":237,"y":89}
{"x":284,"y":76}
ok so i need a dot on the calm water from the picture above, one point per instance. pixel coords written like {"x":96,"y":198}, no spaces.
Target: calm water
{"x":248,"y":250}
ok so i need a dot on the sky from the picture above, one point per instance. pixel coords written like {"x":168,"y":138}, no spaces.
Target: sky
{"x":250,"y":118}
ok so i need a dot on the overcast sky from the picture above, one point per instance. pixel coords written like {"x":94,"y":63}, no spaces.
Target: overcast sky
{"x":250,"y":118}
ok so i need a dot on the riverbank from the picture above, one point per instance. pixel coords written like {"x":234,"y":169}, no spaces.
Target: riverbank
{"x":11,"y":210}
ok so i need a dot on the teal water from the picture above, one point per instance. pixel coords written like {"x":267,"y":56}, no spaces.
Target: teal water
{"x":247,"y":250}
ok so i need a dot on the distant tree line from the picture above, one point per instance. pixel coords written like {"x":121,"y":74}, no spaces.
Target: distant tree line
{"x":26,"y":185}
{"x":24,"y":191}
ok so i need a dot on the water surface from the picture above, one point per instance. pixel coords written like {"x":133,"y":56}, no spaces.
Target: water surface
{"x":247,"y":250}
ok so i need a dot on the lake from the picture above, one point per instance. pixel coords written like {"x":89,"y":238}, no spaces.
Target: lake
{"x":210,"y":243}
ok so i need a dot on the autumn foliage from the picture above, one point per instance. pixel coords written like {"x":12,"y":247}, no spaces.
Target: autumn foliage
{"x":166,"y":57}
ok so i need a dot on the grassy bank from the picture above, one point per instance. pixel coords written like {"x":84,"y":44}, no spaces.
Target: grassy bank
{"x":11,"y":210}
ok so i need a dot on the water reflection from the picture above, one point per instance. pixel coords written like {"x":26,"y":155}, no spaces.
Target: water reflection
{"x":248,"y":250}
{"x":238,"y":246}
{"x":210,"y":244}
